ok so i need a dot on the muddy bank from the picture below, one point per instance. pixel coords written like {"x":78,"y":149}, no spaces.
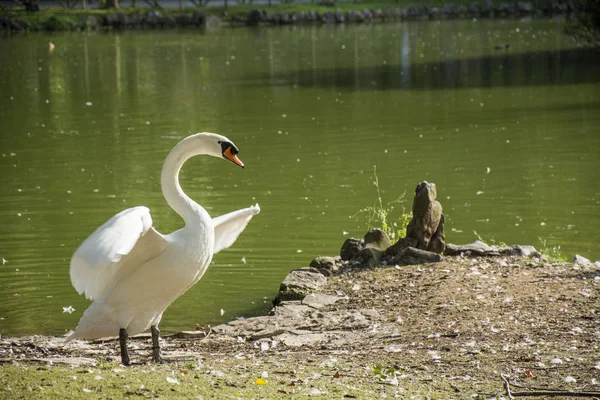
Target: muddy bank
{"x":450,"y":327}
{"x":11,"y":21}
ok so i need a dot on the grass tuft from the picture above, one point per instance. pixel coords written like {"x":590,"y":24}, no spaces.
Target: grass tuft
{"x":380,"y":215}
{"x":553,"y":254}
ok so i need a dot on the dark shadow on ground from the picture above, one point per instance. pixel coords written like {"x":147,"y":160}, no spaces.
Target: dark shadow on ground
{"x":505,"y":69}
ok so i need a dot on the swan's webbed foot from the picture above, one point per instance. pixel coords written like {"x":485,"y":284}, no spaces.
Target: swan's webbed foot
{"x":123,"y":343}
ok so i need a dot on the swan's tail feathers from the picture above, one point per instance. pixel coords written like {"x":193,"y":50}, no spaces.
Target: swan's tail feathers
{"x":97,"y":322}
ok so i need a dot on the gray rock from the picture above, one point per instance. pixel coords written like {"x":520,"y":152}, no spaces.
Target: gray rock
{"x":326,"y":265}
{"x":477,"y":248}
{"x":320,"y":300}
{"x":413,"y":256}
{"x":285,"y":19}
{"x":299,"y":283}
{"x":399,"y":247}
{"x":525,"y":7}
{"x":153,"y":18}
{"x":258,"y":327}
{"x":184,"y":20}
{"x":351,"y":248}
{"x":299,"y":338}
{"x":213,"y":22}
{"x":169,"y":21}
{"x":395,"y":13}
{"x":580,"y":260}
{"x":311,"y":16}
{"x":355,"y":16}
{"x":366,"y":252}
{"x":413,"y":12}
{"x":199,"y":18}
{"x":487,"y":7}
{"x":461,"y":10}
{"x":377,"y":239}
{"x":427,"y":223}
{"x":519,"y":251}
{"x":328,"y":17}
{"x":185,"y":335}
{"x":91,"y":22}
{"x":368,"y":257}
{"x":254,"y":17}
{"x":448,"y":10}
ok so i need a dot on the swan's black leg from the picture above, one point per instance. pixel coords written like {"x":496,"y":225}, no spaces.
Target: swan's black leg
{"x":156,"y":345}
{"x":123,"y":342}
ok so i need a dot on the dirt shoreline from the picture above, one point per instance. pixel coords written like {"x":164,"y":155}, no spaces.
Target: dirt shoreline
{"x":449,"y":328}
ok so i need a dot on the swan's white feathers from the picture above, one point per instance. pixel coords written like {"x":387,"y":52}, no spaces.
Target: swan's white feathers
{"x":229,"y":226}
{"x":132,"y":272}
{"x":114,"y":250}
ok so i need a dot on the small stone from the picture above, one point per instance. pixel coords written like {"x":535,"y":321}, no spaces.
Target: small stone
{"x":377,"y":239}
{"x":326,"y":265}
{"x":477,"y":248}
{"x":580,"y":260}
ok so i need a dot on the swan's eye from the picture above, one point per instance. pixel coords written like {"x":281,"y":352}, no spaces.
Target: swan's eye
{"x":229,"y":153}
{"x":228,"y":146}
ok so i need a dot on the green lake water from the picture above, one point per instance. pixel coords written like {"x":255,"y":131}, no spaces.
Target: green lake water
{"x":511,"y":137}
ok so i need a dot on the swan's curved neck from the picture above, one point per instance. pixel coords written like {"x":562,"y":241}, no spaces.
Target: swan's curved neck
{"x":189,"y":210}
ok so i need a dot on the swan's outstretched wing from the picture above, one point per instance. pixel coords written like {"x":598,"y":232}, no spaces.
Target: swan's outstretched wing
{"x":114,"y":250}
{"x":229,"y":226}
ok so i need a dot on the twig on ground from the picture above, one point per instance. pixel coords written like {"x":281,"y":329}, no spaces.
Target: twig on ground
{"x":209,"y":332}
{"x":547,"y":393}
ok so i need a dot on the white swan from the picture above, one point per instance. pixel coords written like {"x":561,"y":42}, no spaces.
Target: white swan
{"x":133,"y":273}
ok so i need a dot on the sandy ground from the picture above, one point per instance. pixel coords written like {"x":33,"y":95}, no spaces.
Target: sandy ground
{"x":451,"y":328}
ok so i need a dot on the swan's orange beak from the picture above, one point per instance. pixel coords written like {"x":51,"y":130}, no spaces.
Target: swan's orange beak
{"x":232,"y":157}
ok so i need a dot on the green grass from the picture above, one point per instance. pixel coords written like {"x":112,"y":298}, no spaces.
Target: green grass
{"x":381,"y":215}
{"x":50,"y":382}
{"x":553,"y":253}
{"x":245,"y":379}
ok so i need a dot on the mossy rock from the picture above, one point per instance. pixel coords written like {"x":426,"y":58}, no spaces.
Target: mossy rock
{"x":299,"y":283}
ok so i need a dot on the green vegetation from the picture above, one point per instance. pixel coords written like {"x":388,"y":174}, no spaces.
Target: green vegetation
{"x":29,"y":17}
{"x":553,"y":254}
{"x":168,"y":382}
{"x":380,"y":214}
{"x":385,"y":374}
{"x":585,"y":22}
{"x":491,"y":241}
{"x":245,"y":379}
{"x":67,"y":16}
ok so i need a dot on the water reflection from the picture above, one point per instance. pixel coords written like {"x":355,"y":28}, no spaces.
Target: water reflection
{"x":505,"y":70}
